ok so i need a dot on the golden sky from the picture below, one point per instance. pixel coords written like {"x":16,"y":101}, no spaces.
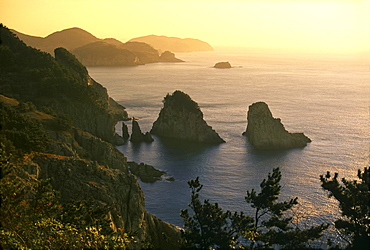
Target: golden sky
{"x":309,"y":25}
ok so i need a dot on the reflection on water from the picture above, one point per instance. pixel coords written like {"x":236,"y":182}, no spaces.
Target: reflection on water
{"x":326,"y":99}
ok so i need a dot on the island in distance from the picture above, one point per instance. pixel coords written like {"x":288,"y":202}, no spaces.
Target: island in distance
{"x":266,"y":132}
{"x":92,"y":51}
{"x":174,"y":44}
{"x":182,"y":119}
{"x":222,"y":65}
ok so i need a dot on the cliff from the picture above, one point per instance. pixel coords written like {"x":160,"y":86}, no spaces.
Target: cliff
{"x":266,"y":132}
{"x":181,"y":118}
{"x":58,"y":123}
{"x":174,"y":44}
{"x":60,"y":85}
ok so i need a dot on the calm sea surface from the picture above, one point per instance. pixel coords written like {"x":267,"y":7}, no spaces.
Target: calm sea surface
{"x":327,"y":98}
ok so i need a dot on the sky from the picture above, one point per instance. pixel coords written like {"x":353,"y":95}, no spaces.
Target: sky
{"x":292,"y":25}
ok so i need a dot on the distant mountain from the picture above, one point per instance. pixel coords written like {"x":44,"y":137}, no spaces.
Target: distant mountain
{"x":174,"y":44}
{"x":69,"y":39}
{"x":92,"y":51}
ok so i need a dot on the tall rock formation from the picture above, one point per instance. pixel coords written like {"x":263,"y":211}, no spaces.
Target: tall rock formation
{"x":181,"y":118}
{"x":137,"y":135}
{"x":125,"y":133}
{"x":266,"y":132}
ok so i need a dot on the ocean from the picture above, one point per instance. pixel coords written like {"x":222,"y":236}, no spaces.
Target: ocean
{"x":325,"y":97}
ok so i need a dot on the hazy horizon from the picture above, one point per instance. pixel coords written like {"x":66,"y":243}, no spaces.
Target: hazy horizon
{"x":297,"y":26}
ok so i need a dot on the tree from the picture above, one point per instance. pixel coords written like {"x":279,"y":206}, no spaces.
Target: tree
{"x":271,"y":224}
{"x":208,"y":226}
{"x":354,"y":203}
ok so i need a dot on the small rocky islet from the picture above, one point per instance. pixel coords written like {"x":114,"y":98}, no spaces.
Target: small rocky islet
{"x":222,"y":65}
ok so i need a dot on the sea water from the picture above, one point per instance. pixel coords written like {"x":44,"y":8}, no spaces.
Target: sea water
{"x":326,"y":97}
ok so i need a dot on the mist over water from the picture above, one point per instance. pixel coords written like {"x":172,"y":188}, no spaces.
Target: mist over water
{"x":326,"y":98}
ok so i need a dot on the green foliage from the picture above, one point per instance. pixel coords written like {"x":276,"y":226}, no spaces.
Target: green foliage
{"x":33,"y":75}
{"x":70,"y":61}
{"x":354,"y":203}
{"x":209,"y":227}
{"x":32,"y":216}
{"x":179,"y":100}
{"x":25,"y":133}
{"x":26,"y":107}
{"x":276,"y":228}
{"x":63,"y":123}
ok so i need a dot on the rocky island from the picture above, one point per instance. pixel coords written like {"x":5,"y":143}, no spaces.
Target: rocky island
{"x":147,"y":173}
{"x":266,"y":132}
{"x":181,"y":118}
{"x":222,"y":65}
{"x":168,"y":56}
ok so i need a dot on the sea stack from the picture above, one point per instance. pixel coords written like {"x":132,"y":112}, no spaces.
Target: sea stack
{"x":137,"y":136}
{"x":266,"y":132}
{"x":181,"y":118}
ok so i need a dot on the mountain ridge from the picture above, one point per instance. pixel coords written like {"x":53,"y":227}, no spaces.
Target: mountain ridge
{"x":93,"y":51}
{"x":174,"y":44}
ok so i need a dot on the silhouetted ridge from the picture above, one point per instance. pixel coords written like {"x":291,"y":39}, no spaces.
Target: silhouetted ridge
{"x":104,"y":54}
{"x":174,"y":44}
{"x":68,"y":38}
{"x":92,"y":51}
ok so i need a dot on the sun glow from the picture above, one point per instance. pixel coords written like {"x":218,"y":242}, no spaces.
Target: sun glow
{"x":315,"y":25}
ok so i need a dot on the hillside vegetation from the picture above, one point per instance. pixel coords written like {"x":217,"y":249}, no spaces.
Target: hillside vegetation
{"x":63,"y":183}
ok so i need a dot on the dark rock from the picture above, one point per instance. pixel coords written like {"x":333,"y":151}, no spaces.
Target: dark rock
{"x":137,"y":136}
{"x":181,"y":118}
{"x":79,"y":179}
{"x":222,"y":65}
{"x":118,"y":140}
{"x":266,"y":132}
{"x":168,"y":56}
{"x":147,"y":173}
{"x":125,"y":134}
